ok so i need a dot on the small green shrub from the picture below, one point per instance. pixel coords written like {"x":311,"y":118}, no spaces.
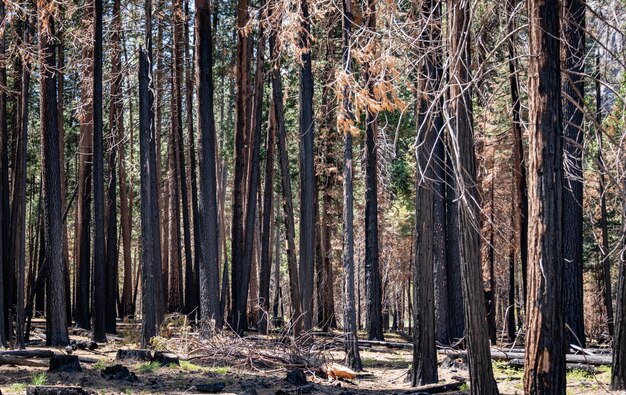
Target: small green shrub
{"x":221,"y":370}
{"x":186,"y":365}
{"x":39,"y":379}
{"x":149,"y":367}
{"x":18,"y":387}
{"x":100,"y":365}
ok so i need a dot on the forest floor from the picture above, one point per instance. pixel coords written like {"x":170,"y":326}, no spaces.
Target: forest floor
{"x":246,"y":364}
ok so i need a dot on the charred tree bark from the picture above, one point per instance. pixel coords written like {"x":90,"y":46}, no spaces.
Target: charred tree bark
{"x":373,"y":283}
{"x":545,"y":354}
{"x":285,"y":179}
{"x":618,"y":371}
{"x":18,"y":216}
{"x":520,"y":204}
{"x":85,"y":176}
{"x":174,"y":282}
{"x":99,"y":268}
{"x":466,"y":194}
{"x":208,"y":265}
{"x":607,"y":293}
{"x":152,"y":285}
{"x":126,"y":306}
{"x":266,"y":229}
{"x":191,"y":270}
{"x":110,"y":312}
{"x":573,"y":49}
{"x":307,"y":170}
{"x":242,"y":274}
{"x":56,"y":318}
{"x":150,"y":263}
{"x":177,"y":123}
{"x":4,"y":182}
{"x":238,"y":311}
{"x":350,"y":330}
{"x":424,"y":368}
{"x":116,"y":124}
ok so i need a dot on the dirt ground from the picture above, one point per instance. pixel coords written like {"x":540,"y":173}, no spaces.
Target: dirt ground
{"x":385,"y":372}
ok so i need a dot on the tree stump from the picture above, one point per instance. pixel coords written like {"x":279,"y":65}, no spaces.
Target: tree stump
{"x":166,"y":358}
{"x":54,"y":390}
{"x":119,"y":372}
{"x":210,"y":388}
{"x":296,"y":377}
{"x":64,"y":363}
{"x":136,"y":355}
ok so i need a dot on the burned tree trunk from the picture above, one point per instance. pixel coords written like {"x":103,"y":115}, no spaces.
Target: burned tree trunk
{"x":545,"y":354}
{"x":208,"y":265}
{"x":466,"y":195}
{"x":424,"y":370}
{"x":56,"y":320}
{"x":277,"y":93}
{"x":346,"y":123}
{"x":573,"y":48}
{"x":373,"y":283}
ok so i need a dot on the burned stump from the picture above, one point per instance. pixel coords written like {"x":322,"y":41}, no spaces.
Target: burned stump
{"x":54,"y":390}
{"x":296,"y":377}
{"x":64,"y":363}
{"x":210,"y":388}
{"x":134,"y":355}
{"x":166,"y":358}
{"x":120,"y":373}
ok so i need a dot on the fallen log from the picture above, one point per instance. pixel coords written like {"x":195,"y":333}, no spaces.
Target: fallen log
{"x":29,"y":353}
{"x":371,"y":343}
{"x":21,"y":361}
{"x":436,"y":388}
{"x":498,"y":355}
{"x":519,"y":364}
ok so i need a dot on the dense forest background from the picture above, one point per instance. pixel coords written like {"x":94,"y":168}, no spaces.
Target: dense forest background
{"x":312,"y":164}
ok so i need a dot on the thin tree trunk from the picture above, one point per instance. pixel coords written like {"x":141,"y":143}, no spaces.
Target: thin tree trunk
{"x":208,"y":264}
{"x":242,"y":275}
{"x":519,"y":164}
{"x":125,"y":199}
{"x":618,"y":371}
{"x":148,"y":206}
{"x":605,"y":261}
{"x":276,"y":319}
{"x":373,"y":285}
{"x":545,"y":354}
{"x":460,"y":107}
{"x":5,"y":222}
{"x":154,"y":156}
{"x":116,"y":123}
{"x":179,"y":62}
{"x":19,"y":201}
{"x":266,"y":242}
{"x":85,"y":176}
{"x":99,"y":268}
{"x":424,"y":368}
{"x":56,"y":319}
{"x":111,"y":263}
{"x":307,"y":170}
{"x":490,"y":294}
{"x":277,"y":92}
{"x":512,"y":307}
{"x":346,"y":123}
{"x":61,"y":125}
{"x":237,"y":314}
{"x":573,"y":49}
{"x":191,"y":268}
